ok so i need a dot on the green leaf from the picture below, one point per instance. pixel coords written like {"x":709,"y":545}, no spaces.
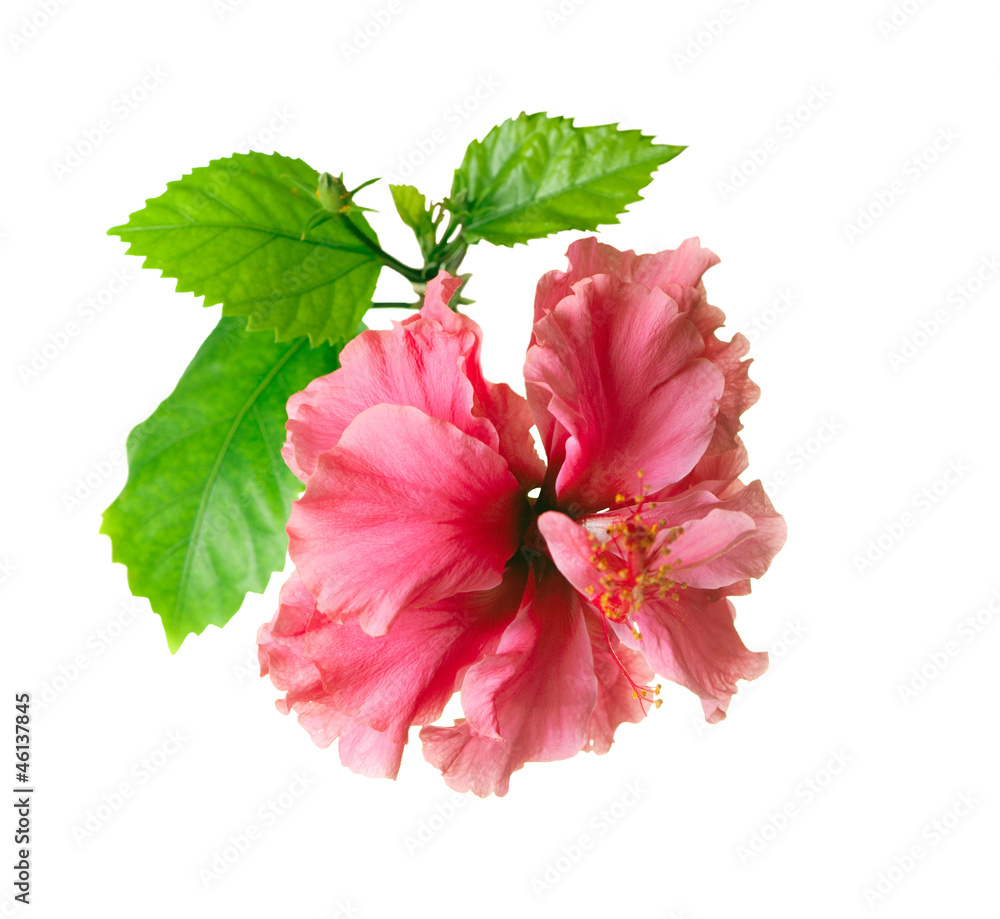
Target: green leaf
{"x":411,"y":205}
{"x":231,"y":232}
{"x":202,"y":517}
{"x":534,"y":175}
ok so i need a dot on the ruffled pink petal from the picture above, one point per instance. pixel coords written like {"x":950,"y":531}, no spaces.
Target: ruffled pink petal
{"x":405,"y":511}
{"x":587,"y":257}
{"x":679,"y":274}
{"x":744,"y":558}
{"x":723,"y":540}
{"x":362,"y":748}
{"x":279,"y":647}
{"x":406,"y":676}
{"x":429,"y":361}
{"x":690,"y":640}
{"x":418,"y":362}
{"x":718,"y":473}
{"x":367,"y":691}
{"x":740,"y":391}
{"x":701,"y":556}
{"x":510,"y":414}
{"x":530,"y":701}
{"x":751,"y":557}
{"x":696,"y":557}
{"x":616,"y":386}
{"x":694,"y":642}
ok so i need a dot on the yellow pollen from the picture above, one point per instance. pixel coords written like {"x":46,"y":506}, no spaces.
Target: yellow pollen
{"x":634,"y":563}
{"x":642,"y":693}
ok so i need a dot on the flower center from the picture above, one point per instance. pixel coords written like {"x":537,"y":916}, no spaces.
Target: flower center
{"x":634,"y":563}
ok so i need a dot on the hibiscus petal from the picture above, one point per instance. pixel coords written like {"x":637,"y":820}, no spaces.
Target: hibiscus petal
{"x":683,"y":266}
{"x":362,"y":748}
{"x":698,"y":552}
{"x":749,"y":557}
{"x":467,"y":760}
{"x":691,"y":640}
{"x":678,"y":273}
{"x":509,"y":413}
{"x":717,"y":473}
{"x":530,"y":701}
{"x":367,"y":751}
{"x":429,"y":361}
{"x":393,"y":681}
{"x":428,"y":510}
{"x":740,"y":391}
{"x":694,"y":642}
{"x":418,"y":362}
{"x":279,"y":646}
{"x":568,"y":545}
{"x":695,"y":557}
{"x":616,"y":386}
{"x":406,"y":676}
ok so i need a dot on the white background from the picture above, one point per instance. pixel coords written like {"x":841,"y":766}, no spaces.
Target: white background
{"x":849,"y":443}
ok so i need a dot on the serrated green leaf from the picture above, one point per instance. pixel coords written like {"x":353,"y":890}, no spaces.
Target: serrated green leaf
{"x":411,"y":205}
{"x":231,"y":232}
{"x":534,"y":175}
{"x":202,"y":517}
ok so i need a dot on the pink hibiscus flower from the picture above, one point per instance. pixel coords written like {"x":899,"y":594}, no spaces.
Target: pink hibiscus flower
{"x":426,"y":565}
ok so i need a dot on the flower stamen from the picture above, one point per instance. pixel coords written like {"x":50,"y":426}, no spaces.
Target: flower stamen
{"x":638,"y":692}
{"x":632,"y":563}
{"x":633,"y":567}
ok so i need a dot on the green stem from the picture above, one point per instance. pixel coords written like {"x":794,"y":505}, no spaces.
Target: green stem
{"x":411,"y":274}
{"x":435,"y":256}
{"x":452,"y":260}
